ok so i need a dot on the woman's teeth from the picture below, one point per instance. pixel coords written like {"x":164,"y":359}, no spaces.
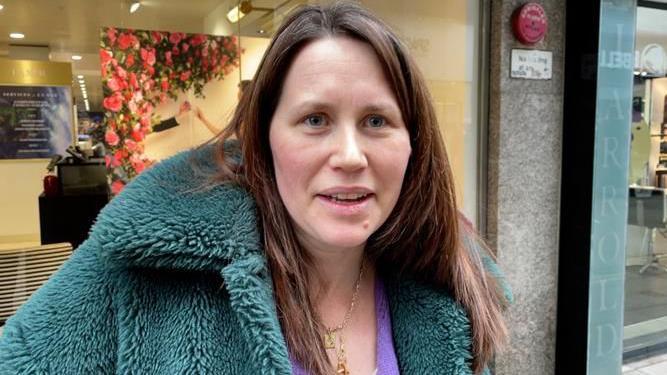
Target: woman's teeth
{"x":347,"y":196}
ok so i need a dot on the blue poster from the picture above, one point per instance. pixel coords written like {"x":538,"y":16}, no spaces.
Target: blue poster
{"x":35,"y":122}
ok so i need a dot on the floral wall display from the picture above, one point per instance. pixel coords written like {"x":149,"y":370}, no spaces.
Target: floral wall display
{"x":142,"y":69}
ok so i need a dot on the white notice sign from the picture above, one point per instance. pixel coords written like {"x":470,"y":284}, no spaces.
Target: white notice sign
{"x":531,"y":64}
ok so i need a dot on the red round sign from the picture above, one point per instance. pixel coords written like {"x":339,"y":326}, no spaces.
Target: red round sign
{"x":529,"y":22}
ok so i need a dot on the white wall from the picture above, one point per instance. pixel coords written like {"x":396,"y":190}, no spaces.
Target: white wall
{"x":442,"y":37}
{"x":20,"y":186}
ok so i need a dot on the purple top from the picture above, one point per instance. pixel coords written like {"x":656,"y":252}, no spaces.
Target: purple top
{"x":387,"y":363}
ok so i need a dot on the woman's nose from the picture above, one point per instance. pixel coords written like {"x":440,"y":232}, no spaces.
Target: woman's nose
{"x":348,"y":151}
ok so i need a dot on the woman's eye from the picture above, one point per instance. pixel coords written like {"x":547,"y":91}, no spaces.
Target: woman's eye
{"x":315,"y":121}
{"x":376,"y":121}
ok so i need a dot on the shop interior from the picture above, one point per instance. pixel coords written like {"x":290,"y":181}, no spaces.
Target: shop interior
{"x":78,"y":58}
{"x":646,"y":251}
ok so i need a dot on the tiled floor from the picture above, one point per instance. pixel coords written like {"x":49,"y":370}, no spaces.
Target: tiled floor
{"x":645,"y":294}
{"x":655,"y":365}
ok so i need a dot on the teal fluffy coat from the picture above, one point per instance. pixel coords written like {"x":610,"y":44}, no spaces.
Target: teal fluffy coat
{"x":173,"y":280}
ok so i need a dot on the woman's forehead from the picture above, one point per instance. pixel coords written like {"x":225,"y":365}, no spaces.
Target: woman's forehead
{"x":337,"y":66}
{"x":324,"y":53}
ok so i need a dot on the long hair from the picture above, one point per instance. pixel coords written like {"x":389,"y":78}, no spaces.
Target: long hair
{"x":422,"y":238}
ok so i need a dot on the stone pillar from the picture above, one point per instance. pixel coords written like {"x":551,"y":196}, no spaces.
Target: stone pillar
{"x":524,"y":174}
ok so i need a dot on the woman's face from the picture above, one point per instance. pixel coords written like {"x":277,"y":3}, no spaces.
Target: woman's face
{"x":340,"y":147}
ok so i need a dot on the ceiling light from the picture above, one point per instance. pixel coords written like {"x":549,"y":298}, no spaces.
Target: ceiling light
{"x":82,"y":81}
{"x":1,"y":6}
{"x":80,"y":76}
{"x":261,"y":31}
{"x":239,"y":11}
{"x":76,"y":57}
{"x":16,"y":35}
{"x":135,"y":6}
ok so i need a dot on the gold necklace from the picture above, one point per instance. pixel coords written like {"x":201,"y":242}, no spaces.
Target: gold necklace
{"x":331,"y":333}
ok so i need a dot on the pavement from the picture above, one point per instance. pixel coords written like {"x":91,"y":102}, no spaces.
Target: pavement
{"x":654,"y":365}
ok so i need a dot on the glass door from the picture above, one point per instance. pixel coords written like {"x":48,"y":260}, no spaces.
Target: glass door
{"x":645,"y":315}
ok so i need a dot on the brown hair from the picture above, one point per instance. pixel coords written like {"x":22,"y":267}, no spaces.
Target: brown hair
{"x":425,"y":219}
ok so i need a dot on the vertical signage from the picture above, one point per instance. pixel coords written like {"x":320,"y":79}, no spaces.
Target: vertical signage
{"x":610,"y":189}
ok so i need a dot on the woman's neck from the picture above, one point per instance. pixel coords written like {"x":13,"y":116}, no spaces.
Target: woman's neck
{"x":336,"y":271}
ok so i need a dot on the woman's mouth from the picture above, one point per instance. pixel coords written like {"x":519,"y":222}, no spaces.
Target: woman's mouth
{"x":346,"y":197}
{"x":346,"y":203}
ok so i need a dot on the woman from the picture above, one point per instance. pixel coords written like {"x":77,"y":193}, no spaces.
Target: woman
{"x":332,"y":227}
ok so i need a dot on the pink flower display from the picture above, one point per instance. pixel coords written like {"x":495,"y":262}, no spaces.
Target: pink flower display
{"x":111,"y":35}
{"x":142,"y":69}
{"x":148,"y":55}
{"x":113,"y":103}
{"x":129,"y":60}
{"x":127,"y":40}
{"x":111,"y":137}
{"x":137,"y":163}
{"x":197,"y":39}
{"x":138,"y":135}
{"x":157,"y":36}
{"x":105,"y":57}
{"x":131,"y":145}
{"x":117,"y":186}
{"x":114,"y":84}
{"x":174,"y":38}
{"x":132,"y":81}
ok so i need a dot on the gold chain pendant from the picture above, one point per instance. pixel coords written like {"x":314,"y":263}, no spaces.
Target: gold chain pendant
{"x":330,"y":340}
{"x":342,"y":368}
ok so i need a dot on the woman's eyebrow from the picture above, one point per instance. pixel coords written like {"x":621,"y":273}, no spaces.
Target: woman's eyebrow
{"x":312,"y":105}
{"x":316,"y":105}
{"x":382,"y":108}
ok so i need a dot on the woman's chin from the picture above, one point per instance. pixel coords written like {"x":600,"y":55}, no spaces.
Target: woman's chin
{"x":345,"y":240}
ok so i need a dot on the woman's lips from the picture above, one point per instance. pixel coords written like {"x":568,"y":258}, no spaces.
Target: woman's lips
{"x":345,"y":207}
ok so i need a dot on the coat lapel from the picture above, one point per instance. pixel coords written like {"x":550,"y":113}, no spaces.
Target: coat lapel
{"x":164,"y":219}
{"x":431,"y":331}
{"x":251,"y":298}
